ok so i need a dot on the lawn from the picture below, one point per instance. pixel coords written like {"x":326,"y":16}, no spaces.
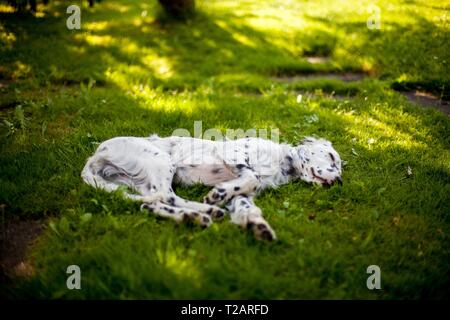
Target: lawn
{"x":236,"y":64}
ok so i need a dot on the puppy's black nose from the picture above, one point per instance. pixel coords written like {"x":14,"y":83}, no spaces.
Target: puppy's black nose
{"x":337,"y":180}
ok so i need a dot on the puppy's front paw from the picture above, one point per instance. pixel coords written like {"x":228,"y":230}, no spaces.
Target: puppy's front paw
{"x":216,"y":196}
{"x":202,"y":219}
{"x":262,"y":231}
{"x":216,"y":213}
{"x":147,"y":206}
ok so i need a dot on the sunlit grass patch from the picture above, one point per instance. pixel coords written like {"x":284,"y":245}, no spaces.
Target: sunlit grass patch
{"x":302,"y":67}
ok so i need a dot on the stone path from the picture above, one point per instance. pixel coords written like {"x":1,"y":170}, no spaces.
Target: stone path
{"x":347,"y":76}
{"x":423,"y":99}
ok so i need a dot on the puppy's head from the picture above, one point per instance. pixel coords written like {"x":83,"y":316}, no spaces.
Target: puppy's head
{"x":318,"y":162}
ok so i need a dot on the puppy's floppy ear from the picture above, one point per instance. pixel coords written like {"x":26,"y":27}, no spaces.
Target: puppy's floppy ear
{"x":303,"y":151}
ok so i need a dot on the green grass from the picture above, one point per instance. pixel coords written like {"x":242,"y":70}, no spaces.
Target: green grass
{"x":124,"y":74}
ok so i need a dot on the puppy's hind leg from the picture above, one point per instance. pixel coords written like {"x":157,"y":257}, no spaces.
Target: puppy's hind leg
{"x":214,"y":211}
{"x":145,"y":169}
{"x":178,"y":214}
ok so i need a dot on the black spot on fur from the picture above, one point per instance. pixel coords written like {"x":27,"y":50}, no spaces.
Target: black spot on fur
{"x":187,"y":217}
{"x":219,"y":214}
{"x":261,"y":226}
{"x":221,"y":190}
{"x":237,"y":188}
{"x":267,"y":235}
{"x":146,"y":206}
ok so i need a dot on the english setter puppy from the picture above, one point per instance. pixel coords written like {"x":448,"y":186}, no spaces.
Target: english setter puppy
{"x":236,"y":169}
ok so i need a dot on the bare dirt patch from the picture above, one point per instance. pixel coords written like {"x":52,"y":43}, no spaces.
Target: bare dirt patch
{"x":16,"y":236}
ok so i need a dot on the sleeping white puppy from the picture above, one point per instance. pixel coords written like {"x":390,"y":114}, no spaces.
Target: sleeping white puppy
{"x":237,"y":169}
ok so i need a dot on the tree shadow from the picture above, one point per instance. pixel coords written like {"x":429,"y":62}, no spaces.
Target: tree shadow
{"x":158,"y":53}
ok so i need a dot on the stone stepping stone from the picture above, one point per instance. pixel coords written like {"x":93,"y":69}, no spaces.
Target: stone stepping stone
{"x":347,"y":77}
{"x":428,"y":100}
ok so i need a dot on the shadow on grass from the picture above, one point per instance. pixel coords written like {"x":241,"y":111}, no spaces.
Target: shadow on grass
{"x":193,"y":50}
